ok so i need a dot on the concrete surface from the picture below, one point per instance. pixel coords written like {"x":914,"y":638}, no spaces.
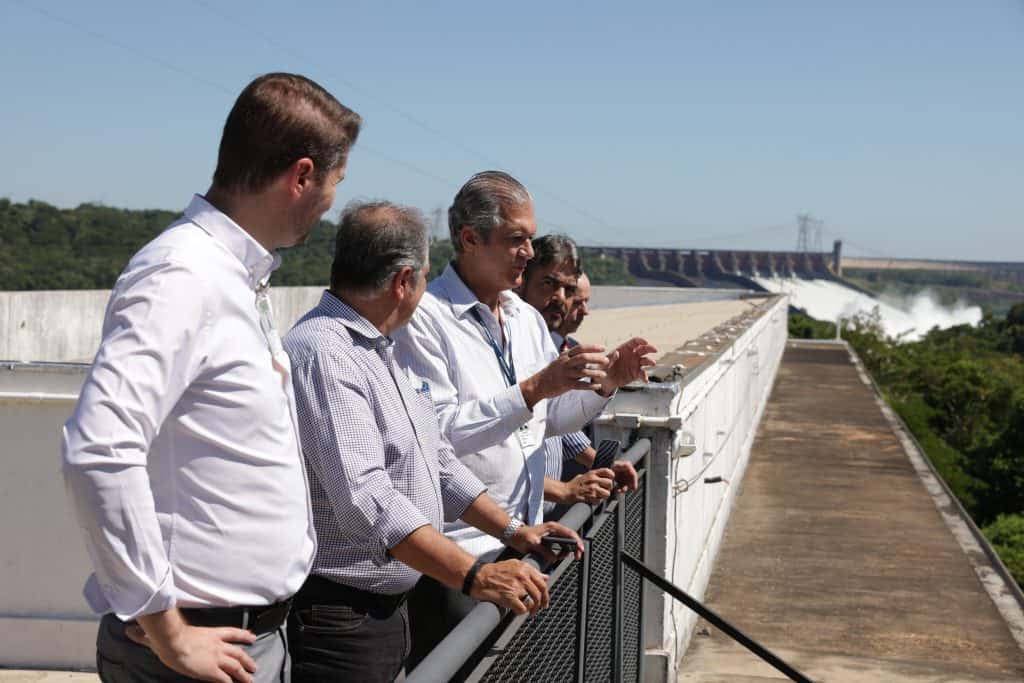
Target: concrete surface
{"x":836,"y":556}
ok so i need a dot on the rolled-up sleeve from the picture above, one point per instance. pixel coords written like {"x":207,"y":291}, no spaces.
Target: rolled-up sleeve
{"x":573,"y":444}
{"x":147,"y":359}
{"x":344,"y":449}
{"x":459,"y":486}
{"x":470,"y":426}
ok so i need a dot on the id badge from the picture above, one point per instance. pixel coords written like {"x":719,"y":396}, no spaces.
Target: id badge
{"x":526,"y":438}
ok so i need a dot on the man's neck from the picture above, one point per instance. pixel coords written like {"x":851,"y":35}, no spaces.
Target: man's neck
{"x":477,"y":283}
{"x":251,"y":213}
{"x":379,"y":311}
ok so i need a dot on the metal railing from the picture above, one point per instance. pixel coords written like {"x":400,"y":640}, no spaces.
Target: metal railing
{"x":592,"y":629}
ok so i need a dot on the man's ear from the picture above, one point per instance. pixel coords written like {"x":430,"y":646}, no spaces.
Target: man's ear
{"x":402,"y":283}
{"x":300,"y":176}
{"x":469,"y":238}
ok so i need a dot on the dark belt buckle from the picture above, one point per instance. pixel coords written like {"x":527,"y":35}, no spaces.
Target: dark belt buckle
{"x":271,"y":618}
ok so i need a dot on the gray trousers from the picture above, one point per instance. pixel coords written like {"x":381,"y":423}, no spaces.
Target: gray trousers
{"x":121,"y":660}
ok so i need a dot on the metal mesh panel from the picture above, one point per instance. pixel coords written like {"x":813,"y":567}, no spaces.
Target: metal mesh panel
{"x":632,"y":587}
{"x":601,"y":605}
{"x":544,"y":648}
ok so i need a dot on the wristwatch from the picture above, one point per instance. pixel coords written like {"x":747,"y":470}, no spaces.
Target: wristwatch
{"x":510,"y":531}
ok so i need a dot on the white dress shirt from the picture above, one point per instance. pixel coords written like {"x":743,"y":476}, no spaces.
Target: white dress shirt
{"x":445,"y":351}
{"x":182,"y":457}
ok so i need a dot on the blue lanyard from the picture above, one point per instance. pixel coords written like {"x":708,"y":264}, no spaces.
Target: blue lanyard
{"x":508,"y":368}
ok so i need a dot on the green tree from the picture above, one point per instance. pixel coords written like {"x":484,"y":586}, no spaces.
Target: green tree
{"x":1006,"y":535}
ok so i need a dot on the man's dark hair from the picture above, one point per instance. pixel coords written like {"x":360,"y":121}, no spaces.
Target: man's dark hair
{"x":553,"y":248}
{"x":278,"y":119}
{"x":483,"y":203}
{"x":376,"y":240}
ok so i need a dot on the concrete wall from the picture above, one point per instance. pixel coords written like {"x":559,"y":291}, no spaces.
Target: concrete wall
{"x":719,"y":404}
{"x":44,"y":621}
{"x":64,"y":326}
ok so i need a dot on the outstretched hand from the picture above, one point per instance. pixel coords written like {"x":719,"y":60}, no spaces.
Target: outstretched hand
{"x":626,"y":364}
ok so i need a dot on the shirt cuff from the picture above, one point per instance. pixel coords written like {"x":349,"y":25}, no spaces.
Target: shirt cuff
{"x":459,"y":493}
{"x":124,"y":603}
{"x":593,"y":403}
{"x":512,"y":404}
{"x":573,"y":444}
{"x":397,"y":518}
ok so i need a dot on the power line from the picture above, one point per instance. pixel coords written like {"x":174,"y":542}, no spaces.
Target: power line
{"x":164,"y":64}
{"x":535,"y":188}
{"x":169,"y":66}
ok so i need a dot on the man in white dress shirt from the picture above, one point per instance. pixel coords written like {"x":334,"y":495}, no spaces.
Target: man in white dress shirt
{"x":182,"y":457}
{"x":485,"y":357}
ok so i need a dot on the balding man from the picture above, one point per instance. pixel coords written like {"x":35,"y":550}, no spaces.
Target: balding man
{"x":383,"y":479}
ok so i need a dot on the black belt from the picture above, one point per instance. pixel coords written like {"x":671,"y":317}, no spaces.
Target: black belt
{"x":259,"y":620}
{"x":321,"y":591}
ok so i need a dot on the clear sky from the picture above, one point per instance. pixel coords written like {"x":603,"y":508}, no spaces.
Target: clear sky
{"x":688,"y":124}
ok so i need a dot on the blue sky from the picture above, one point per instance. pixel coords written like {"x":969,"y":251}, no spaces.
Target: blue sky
{"x":689,"y":124}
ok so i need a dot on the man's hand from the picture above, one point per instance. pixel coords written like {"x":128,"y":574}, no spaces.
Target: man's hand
{"x":507,"y":583}
{"x":627,"y":363}
{"x":626,"y":478}
{"x":527,"y":539}
{"x":208,"y":654}
{"x":581,"y":367}
{"x":591,"y":487}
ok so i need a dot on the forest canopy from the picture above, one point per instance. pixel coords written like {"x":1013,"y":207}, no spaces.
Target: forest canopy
{"x":45,"y":247}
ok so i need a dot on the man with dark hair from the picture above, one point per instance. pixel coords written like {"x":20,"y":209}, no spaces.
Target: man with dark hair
{"x":579,"y":308}
{"x":549,"y":283}
{"x":182,"y":457}
{"x":500,"y":388}
{"x":382,"y":477}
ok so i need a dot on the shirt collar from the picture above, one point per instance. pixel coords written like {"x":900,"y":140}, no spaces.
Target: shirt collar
{"x":557,"y":339}
{"x":463,"y":300}
{"x":350,"y":318}
{"x":258,"y":262}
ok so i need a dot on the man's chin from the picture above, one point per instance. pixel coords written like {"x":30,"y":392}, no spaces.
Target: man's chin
{"x":554,"y":321}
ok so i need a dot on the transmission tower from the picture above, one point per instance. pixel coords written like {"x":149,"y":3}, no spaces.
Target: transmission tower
{"x":438,"y":229}
{"x":808,"y":236}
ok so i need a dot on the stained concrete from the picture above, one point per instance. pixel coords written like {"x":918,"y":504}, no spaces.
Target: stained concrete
{"x":836,"y":556}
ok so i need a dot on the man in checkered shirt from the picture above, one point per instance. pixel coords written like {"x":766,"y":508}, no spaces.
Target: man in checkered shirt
{"x":382,"y":478}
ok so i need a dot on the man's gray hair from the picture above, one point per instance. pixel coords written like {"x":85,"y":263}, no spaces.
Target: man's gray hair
{"x":554,"y":248}
{"x":375,"y":241}
{"x":483,"y":203}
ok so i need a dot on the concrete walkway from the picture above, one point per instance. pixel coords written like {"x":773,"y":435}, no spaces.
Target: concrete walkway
{"x":836,"y":556}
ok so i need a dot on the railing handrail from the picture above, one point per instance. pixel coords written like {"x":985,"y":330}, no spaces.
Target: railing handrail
{"x":445,"y":660}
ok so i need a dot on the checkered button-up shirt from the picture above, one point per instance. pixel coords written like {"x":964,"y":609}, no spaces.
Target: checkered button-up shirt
{"x":378,"y":466}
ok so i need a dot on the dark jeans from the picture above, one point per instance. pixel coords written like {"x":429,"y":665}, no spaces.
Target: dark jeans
{"x":338,"y":633}
{"x":122,"y":660}
{"x":435,"y":609}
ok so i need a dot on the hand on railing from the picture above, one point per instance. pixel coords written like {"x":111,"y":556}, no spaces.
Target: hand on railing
{"x":527,"y":539}
{"x":626,"y":478}
{"x":511,"y":584}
